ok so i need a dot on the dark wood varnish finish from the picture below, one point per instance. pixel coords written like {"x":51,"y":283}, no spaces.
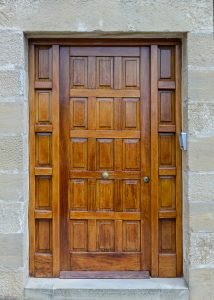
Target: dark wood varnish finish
{"x":96,"y":109}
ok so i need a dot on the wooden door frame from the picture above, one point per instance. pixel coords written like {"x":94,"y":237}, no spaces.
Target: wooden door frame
{"x":53,"y":258}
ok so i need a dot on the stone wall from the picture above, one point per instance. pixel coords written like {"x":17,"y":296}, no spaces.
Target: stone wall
{"x":189,"y":19}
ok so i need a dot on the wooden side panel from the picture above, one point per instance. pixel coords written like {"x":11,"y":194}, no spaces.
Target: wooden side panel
{"x":43,"y":193}
{"x":166,"y":121}
{"x":43,"y":107}
{"x":44,"y":122}
{"x":43,"y":66}
{"x":166,"y":59}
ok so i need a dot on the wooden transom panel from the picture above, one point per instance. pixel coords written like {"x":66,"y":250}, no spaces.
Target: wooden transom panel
{"x":103,"y":118}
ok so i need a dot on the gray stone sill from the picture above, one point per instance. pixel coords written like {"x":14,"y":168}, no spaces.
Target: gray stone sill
{"x":107,"y":289}
{"x":107,"y":284}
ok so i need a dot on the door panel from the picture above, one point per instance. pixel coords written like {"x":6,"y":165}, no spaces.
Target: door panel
{"x":97,"y":109}
{"x":104,"y":135}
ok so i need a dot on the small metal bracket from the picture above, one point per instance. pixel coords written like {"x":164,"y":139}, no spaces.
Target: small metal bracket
{"x":183,"y":140}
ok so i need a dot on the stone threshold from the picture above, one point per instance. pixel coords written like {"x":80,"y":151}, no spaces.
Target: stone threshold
{"x":106,"y":289}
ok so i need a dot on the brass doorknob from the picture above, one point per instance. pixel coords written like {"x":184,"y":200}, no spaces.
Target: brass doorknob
{"x":105,"y":175}
{"x":146,"y":179}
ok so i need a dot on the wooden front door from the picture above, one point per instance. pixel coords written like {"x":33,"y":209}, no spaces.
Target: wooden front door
{"x":104,"y":131}
{"x":105,"y":161}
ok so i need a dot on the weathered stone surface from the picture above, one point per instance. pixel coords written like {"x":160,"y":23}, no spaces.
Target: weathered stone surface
{"x":11,"y":82}
{"x":200,"y":154}
{"x":10,"y":283}
{"x":11,"y":118}
{"x":201,"y":217}
{"x":201,"y":187}
{"x":201,"y":49}
{"x":201,"y":283}
{"x":12,"y":187}
{"x":200,"y":85}
{"x":201,"y":248}
{"x":151,"y":289}
{"x":121,"y":17}
{"x":11,"y":217}
{"x":11,"y":48}
{"x":11,"y":251}
{"x":110,"y":15}
{"x":11,"y":153}
{"x":201,"y":119}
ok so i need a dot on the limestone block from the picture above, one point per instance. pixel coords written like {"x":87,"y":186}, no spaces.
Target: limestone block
{"x":11,"y":217}
{"x":200,"y":154}
{"x":11,"y":83}
{"x":201,"y":85}
{"x":201,"y":248}
{"x":11,"y":251}
{"x":201,"y":217}
{"x":12,"y":187}
{"x":12,"y":48}
{"x":201,"y":283}
{"x":201,"y":187}
{"x":110,"y":16}
{"x":11,"y":118}
{"x":11,"y":153}
{"x":12,"y":285}
{"x":201,"y":49}
{"x":201,"y":119}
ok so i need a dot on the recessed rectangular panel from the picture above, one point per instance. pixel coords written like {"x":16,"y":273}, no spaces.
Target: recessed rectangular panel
{"x":167,"y":107}
{"x":130,"y":69}
{"x":105,"y":154}
{"x":105,"y":72}
{"x":43,"y":235}
{"x":105,"y":113}
{"x":167,"y":192}
{"x":131,"y":154}
{"x":166,"y":63}
{"x":131,"y":236}
{"x":78,"y":235}
{"x":167,"y":149}
{"x":43,"y":192}
{"x":44,"y":63}
{"x":105,"y":235}
{"x":131,"y":195}
{"x":78,"y":113}
{"x":43,"y":149}
{"x":131,"y":113}
{"x":105,"y":261}
{"x":78,"y":72}
{"x":167,"y":238}
{"x":78,"y":194}
{"x":43,"y":107}
{"x":105,"y":195}
{"x":78,"y":153}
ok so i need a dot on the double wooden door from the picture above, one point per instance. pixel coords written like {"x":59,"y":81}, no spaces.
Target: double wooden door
{"x":105,"y":159}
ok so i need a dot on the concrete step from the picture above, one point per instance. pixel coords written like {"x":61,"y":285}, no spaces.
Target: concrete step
{"x":106,"y":289}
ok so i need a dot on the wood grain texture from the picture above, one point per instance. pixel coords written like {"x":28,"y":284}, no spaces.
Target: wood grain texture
{"x":64,"y":157}
{"x":90,"y":113}
{"x":169,"y":192}
{"x":32,"y":158}
{"x":106,"y":115}
{"x":179,"y":252}
{"x":154,"y":160}
{"x":105,"y":275}
{"x":56,"y":162}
